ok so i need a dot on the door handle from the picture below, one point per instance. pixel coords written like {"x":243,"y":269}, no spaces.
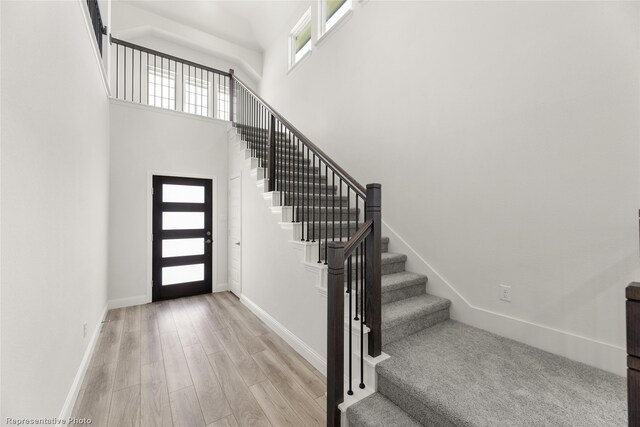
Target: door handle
{"x":237,"y":243}
{"x":208,"y":241}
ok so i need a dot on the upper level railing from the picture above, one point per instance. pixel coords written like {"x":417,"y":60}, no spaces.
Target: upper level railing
{"x":149,"y":77}
{"x":96,"y":21}
{"x":326,"y":202}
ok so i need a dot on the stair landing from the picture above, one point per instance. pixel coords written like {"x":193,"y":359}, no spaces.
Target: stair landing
{"x":454,"y":374}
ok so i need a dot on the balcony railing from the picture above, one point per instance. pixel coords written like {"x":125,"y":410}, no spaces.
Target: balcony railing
{"x":149,"y":77}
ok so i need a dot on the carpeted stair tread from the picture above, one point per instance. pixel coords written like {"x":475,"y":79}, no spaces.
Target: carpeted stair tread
{"x":391,"y":257}
{"x":396,"y":281}
{"x":378,"y":411}
{"x":406,"y":310}
{"x":454,"y":374}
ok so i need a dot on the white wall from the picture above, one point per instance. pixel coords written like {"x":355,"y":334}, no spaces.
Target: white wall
{"x":505,"y":136}
{"x":54,"y":175}
{"x":276,"y":283}
{"x":147,"y":141}
{"x":131,"y":23}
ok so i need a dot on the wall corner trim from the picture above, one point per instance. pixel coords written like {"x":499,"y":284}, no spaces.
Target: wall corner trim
{"x":318,"y":361}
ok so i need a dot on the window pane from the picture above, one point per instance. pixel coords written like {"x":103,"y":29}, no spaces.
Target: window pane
{"x":303,"y":37}
{"x":182,"y":220}
{"x":196,"y":98}
{"x":182,"y":274}
{"x":182,"y":193}
{"x":161,"y":87}
{"x":332,"y":7}
{"x":182,"y":247}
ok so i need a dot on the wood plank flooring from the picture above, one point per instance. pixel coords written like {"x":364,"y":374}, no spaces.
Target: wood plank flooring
{"x":197,"y":361}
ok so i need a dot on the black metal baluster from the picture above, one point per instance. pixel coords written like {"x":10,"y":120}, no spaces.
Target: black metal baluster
{"x":175,"y":76}
{"x":356,"y":282}
{"x":326,"y":212}
{"x":364,"y":278}
{"x":140,"y":76}
{"x":340,"y":215}
{"x":286,"y":165}
{"x":117,"y":69}
{"x":333,"y":207}
{"x":349,"y":265}
{"x":125,"y":73}
{"x":305,"y":200}
{"x":361,"y":315}
{"x":348,"y":208}
{"x":147,"y":62}
{"x":309,"y":195}
{"x":292,"y":165}
{"x":358,"y":262}
{"x":155,"y":82}
{"x":313,"y":214}
{"x":319,"y":210}
{"x":300,"y":213}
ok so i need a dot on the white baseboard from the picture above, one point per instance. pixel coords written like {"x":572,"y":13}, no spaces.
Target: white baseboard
{"x":318,"y":361}
{"x":72,"y":396}
{"x":127,"y":302}
{"x":606,"y":356}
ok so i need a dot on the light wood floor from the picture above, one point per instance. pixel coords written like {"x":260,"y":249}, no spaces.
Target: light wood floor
{"x":197,"y":361}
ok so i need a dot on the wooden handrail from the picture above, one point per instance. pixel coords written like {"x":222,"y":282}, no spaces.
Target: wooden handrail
{"x":358,"y":237}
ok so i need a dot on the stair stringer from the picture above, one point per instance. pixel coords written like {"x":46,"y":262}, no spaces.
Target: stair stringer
{"x":303,"y":256}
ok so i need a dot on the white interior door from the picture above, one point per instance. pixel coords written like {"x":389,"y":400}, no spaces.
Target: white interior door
{"x":235,"y":235}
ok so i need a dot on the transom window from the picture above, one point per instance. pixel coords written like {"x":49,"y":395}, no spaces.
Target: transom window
{"x":300,"y":39}
{"x":331,"y":12}
{"x":162,"y":88}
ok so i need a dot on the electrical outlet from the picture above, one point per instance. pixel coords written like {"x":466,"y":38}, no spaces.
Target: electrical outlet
{"x":504,"y":293}
{"x":84,"y":330}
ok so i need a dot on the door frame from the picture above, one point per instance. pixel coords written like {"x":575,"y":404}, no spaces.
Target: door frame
{"x":229,"y":242}
{"x":214,"y":225}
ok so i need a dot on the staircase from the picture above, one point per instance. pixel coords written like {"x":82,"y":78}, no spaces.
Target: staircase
{"x":434,"y":371}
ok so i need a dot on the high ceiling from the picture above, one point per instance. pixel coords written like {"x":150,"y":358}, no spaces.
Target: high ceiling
{"x":250,"y":23}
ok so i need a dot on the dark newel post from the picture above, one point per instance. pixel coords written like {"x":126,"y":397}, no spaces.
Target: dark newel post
{"x":633,"y":353}
{"x":335,"y":332}
{"x":232,"y":92}
{"x":272,"y":152}
{"x":373,"y":266}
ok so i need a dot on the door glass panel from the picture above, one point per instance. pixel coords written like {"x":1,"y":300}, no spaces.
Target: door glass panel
{"x":182,"y":193}
{"x":182,"y":274}
{"x":182,"y":247}
{"x":182,"y":220}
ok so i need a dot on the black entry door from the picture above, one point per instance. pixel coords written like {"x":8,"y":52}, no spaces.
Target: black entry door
{"x":182,"y":237}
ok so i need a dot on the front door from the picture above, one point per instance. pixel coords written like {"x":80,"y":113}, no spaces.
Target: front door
{"x":182,"y":237}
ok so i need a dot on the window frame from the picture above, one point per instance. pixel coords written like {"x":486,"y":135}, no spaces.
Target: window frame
{"x":295,"y":31}
{"x":338,"y":17}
